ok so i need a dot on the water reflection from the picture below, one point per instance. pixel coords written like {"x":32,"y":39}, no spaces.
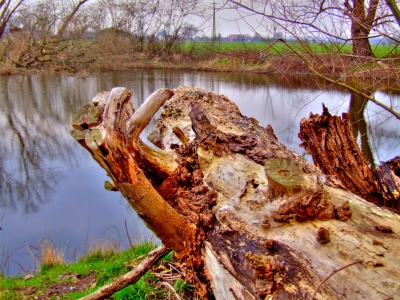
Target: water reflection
{"x":358,"y":105}
{"x":29,"y":145}
{"x":50,"y":186}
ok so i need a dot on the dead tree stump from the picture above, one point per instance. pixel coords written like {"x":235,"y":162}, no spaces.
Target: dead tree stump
{"x":249,"y":218}
{"x":330,"y":141}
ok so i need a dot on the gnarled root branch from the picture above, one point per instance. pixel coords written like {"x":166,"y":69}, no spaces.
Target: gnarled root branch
{"x":114,"y":143}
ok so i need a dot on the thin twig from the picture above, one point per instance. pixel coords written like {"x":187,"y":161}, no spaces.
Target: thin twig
{"x":35,"y":259}
{"x":130,"y":277}
{"x":127,"y":233}
{"x":167,"y":285}
{"x":333,"y":273}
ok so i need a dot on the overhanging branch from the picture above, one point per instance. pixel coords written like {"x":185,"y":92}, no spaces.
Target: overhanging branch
{"x":340,"y":83}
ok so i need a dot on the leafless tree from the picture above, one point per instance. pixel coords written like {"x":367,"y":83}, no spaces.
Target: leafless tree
{"x":7,"y":10}
{"x":144,"y":19}
{"x":48,"y":19}
{"x":176,"y":15}
{"x":68,"y":18}
{"x":332,"y":24}
{"x":44,"y":35}
{"x":97,"y":16}
{"x":79,"y":25}
{"x":115,"y":17}
{"x":39,"y":20}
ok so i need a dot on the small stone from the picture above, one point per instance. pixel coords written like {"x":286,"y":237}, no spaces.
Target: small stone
{"x":323,"y":235}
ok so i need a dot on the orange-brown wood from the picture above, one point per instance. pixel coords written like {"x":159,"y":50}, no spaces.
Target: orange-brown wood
{"x":109,"y":146}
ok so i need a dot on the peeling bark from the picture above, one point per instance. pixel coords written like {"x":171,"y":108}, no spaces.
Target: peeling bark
{"x":249,"y":218}
{"x":330,"y":141}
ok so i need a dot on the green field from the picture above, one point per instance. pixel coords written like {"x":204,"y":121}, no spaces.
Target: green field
{"x":280,"y":48}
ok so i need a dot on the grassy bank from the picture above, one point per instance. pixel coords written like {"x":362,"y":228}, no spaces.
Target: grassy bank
{"x":57,"y":280}
{"x":113,"y":53}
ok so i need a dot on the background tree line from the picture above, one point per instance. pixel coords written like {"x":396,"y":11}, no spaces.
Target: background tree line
{"x":35,"y":32}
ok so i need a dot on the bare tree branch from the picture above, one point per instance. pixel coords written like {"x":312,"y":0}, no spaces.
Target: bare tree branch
{"x":130,"y":277}
{"x":7,"y":9}
{"x":68,"y":19}
{"x":395,"y":10}
{"x":340,"y":83}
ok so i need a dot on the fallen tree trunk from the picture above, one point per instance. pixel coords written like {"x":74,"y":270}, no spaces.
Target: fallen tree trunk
{"x":249,"y":218}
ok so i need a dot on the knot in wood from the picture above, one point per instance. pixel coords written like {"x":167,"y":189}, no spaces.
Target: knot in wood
{"x":285,"y":177}
{"x":265,"y":223}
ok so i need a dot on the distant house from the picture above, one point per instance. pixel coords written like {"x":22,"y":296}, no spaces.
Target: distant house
{"x":239,"y":38}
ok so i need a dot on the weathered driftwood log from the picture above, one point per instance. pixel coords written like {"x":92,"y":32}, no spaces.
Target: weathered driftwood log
{"x":250,"y":218}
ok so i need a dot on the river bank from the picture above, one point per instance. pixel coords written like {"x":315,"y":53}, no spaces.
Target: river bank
{"x":58,"y":280}
{"x":86,"y":58}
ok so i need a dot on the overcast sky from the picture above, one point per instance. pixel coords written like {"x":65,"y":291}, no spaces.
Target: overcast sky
{"x":239,"y":21}
{"x":229,"y":21}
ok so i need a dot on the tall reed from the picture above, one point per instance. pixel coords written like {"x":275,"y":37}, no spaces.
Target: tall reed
{"x":50,"y":255}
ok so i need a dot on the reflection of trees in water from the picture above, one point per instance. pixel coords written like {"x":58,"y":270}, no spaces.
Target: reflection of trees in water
{"x":358,"y":104}
{"x":376,"y":132}
{"x":34,"y":122}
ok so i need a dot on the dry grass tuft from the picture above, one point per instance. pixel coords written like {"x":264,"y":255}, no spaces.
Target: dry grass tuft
{"x":50,"y":255}
{"x":101,"y":249}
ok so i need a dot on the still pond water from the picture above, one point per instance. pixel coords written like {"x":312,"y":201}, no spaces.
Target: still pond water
{"x":51,"y":189}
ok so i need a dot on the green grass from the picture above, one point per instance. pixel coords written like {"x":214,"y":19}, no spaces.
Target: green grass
{"x":107,"y":265}
{"x":383,"y":50}
{"x":280,"y":48}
